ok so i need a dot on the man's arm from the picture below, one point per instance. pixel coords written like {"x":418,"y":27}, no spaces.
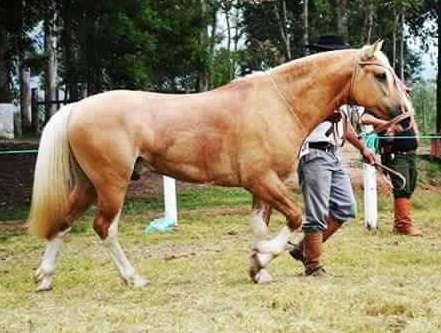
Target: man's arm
{"x":368,"y":119}
{"x":352,"y":137}
{"x":379,"y":124}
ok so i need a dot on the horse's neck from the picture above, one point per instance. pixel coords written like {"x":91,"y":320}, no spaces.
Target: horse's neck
{"x":317,"y":85}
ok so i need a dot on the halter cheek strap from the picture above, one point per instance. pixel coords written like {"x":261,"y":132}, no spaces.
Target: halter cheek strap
{"x":397,"y":82}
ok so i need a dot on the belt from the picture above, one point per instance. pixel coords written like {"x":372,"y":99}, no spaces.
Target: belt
{"x":322,"y":145}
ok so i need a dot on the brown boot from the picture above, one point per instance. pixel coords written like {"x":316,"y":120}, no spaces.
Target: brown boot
{"x":332,"y":227}
{"x":403,"y":222}
{"x":312,"y":251}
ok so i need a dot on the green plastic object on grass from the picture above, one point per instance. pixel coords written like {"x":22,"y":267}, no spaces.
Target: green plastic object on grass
{"x":162,"y":224}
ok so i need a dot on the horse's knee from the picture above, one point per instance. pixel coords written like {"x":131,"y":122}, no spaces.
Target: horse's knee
{"x":101,"y":227}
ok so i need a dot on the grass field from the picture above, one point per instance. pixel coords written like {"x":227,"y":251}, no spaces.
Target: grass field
{"x":199,"y":283}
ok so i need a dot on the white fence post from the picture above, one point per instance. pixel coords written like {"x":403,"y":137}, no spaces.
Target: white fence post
{"x":170,"y":205}
{"x":370,"y":196}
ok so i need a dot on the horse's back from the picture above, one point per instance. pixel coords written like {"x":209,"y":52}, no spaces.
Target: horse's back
{"x":218,"y":136}
{"x":191,"y":137}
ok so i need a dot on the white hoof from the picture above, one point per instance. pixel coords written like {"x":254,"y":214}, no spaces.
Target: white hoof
{"x":43,"y":280}
{"x":263,"y":276}
{"x":136,"y":281}
{"x":257,"y":271}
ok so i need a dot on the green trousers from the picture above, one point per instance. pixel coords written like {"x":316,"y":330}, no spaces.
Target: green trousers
{"x":404,"y":163}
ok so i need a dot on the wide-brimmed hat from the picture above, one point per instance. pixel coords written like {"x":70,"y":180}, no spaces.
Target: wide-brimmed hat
{"x":328,"y":43}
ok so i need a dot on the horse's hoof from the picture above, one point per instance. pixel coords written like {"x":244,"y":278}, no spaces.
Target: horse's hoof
{"x":263,"y":277}
{"x":254,"y":266}
{"x":136,"y":281}
{"x":43,"y":280}
{"x":139,"y":282}
{"x":44,"y":285}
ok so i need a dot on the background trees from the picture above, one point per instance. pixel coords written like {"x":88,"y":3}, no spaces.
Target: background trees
{"x":81,"y":47}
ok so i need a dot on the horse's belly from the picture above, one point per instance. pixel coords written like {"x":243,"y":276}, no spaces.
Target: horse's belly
{"x":198,"y":158}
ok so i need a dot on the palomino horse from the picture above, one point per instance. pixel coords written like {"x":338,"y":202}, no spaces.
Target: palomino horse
{"x":245,"y":134}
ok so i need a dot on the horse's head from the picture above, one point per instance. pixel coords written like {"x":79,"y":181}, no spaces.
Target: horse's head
{"x":376,"y":86}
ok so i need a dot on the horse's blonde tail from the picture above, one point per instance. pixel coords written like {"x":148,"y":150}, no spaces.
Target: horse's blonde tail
{"x":52,"y":178}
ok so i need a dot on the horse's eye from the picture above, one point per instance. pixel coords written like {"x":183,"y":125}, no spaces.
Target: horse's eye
{"x":381,"y":76}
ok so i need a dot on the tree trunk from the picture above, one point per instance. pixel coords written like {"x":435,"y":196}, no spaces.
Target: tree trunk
{"x":284,"y":33}
{"x":342,"y":19}
{"x":370,"y":22}
{"x":70,"y":56}
{"x":227,"y":9}
{"x":5,"y":91}
{"x":438,"y":86}
{"x":50,"y":41}
{"x":402,"y":45}
{"x":202,"y":80}
{"x":25,"y":98}
{"x":394,"y":39}
{"x":305,"y":26}
{"x":236,"y":38}
{"x":286,"y":29}
{"x":35,"y":116}
{"x":211,"y":49}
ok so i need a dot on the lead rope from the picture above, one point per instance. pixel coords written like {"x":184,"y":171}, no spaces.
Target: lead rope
{"x":383,"y":169}
{"x":379,"y":166}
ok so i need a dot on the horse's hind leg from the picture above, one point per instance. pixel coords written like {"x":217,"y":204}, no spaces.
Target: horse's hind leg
{"x":80,"y":199}
{"x":110,"y":200}
{"x":259,"y":220}
{"x":270,"y":190}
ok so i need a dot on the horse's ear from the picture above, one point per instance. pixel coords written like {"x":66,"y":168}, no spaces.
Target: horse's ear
{"x":378,"y":45}
{"x":368,"y":51}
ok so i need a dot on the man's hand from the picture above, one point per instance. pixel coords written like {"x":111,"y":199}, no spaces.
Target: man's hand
{"x":368,"y":156}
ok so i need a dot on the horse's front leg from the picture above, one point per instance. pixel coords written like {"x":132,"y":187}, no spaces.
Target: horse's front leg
{"x":262,"y":209}
{"x":269,"y":191}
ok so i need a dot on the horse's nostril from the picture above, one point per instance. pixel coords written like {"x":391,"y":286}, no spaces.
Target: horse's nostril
{"x":393,"y":112}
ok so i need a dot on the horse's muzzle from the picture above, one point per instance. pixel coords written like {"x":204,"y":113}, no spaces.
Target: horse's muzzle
{"x":393,"y":112}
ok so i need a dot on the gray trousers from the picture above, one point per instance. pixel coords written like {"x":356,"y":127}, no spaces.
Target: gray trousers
{"x":326,"y":190}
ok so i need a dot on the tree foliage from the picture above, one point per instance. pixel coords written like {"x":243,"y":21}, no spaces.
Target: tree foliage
{"x":191,"y":45}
